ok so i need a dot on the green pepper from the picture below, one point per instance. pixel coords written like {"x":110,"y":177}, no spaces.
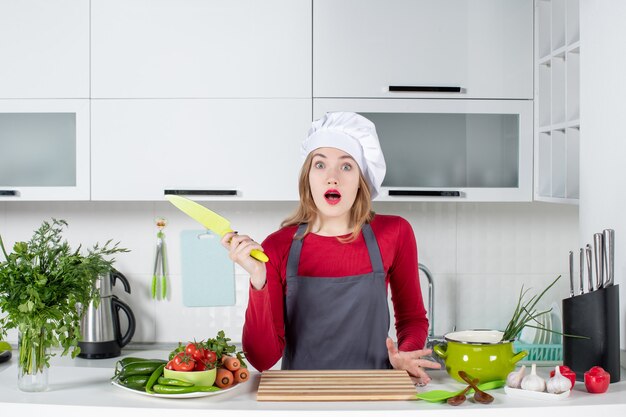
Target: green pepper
{"x":140,"y":368}
{"x":122,"y":363}
{"x":153,"y":378}
{"x":137,"y":382}
{"x":170,"y":389}
{"x":176,"y":382}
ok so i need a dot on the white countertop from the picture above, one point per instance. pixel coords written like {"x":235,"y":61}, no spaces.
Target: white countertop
{"x":83,"y":386}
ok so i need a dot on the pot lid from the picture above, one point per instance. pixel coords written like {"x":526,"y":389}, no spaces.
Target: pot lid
{"x":482,"y":337}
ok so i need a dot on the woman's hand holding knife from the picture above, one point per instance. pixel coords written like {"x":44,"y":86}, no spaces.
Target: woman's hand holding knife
{"x":239,"y":248}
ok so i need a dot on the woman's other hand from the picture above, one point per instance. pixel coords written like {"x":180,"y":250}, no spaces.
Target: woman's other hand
{"x":411,"y":362}
{"x":239,"y":248}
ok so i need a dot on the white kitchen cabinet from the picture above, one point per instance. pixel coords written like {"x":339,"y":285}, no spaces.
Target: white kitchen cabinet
{"x":144,"y":148}
{"x":44,"y":150}
{"x":449,"y":150}
{"x":557,"y":98}
{"x":363,"y":48}
{"x":201,"y":48}
{"x":44,"y":49}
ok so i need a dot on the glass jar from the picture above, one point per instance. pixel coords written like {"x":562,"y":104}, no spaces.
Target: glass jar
{"x":32,"y":370}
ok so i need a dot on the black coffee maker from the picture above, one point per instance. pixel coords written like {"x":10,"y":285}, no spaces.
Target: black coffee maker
{"x":100,"y":327}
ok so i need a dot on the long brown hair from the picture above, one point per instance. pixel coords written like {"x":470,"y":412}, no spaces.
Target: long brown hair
{"x":360,"y":212}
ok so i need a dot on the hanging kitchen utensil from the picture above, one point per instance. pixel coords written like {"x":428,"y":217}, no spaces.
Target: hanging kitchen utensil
{"x":159,"y":276}
{"x":207,"y":272}
{"x":212,"y":221}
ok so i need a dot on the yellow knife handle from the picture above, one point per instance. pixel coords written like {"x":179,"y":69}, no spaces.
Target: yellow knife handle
{"x":258,"y":255}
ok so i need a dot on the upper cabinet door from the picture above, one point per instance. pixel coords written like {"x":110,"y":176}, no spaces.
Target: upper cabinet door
{"x":484,"y":48}
{"x":44,"y":49}
{"x":44,"y":149}
{"x":227,"y":149}
{"x":201,"y":48}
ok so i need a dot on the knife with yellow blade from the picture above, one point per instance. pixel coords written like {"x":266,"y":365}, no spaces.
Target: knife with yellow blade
{"x":212,"y":221}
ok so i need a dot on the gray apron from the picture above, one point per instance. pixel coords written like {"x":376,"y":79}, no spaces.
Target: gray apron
{"x":336,"y":323}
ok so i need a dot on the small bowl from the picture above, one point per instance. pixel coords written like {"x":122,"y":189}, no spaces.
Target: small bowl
{"x":199,"y":378}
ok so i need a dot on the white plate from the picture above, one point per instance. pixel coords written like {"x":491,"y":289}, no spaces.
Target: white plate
{"x":528,"y":335}
{"x":176,"y":396}
{"x":539,"y":333}
{"x":534,"y":395}
{"x":556,"y":323}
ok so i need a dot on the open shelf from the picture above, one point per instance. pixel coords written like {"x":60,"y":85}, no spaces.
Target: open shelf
{"x":557,"y":101}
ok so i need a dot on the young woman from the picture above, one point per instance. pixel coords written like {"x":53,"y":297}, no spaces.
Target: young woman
{"x":321,"y":300}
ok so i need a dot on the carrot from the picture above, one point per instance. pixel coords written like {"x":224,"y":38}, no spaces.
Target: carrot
{"x":224,"y":378}
{"x":231,"y":363}
{"x":241,"y":375}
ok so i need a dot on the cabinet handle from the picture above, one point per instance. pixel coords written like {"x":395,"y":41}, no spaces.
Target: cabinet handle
{"x":9,"y":193}
{"x":424,"y":88}
{"x":424,"y":193}
{"x":200,"y":192}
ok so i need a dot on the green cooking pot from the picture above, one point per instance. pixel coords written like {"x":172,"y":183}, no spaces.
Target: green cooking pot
{"x":481,"y":353}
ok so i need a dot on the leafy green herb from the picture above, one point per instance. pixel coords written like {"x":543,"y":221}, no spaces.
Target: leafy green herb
{"x":42,"y":283}
{"x":220,"y":345}
{"x":526,"y":313}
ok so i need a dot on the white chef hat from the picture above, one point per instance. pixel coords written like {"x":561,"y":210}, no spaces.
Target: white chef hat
{"x":355,"y":135}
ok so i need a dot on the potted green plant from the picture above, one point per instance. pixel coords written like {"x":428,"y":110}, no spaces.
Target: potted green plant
{"x":43,"y":282}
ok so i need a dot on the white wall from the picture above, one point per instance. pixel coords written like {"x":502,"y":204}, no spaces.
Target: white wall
{"x":603,"y":141}
{"x":480,"y":255}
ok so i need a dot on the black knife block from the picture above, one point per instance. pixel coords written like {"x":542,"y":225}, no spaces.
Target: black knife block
{"x":595,"y":315}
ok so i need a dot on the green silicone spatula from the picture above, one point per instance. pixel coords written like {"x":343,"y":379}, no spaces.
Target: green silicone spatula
{"x":437,"y":396}
{"x":212,"y":221}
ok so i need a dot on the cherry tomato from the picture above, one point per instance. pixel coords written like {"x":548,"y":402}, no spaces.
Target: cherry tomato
{"x":183,"y":362}
{"x":191,"y":349}
{"x":210,"y":356}
{"x":597,"y":380}
{"x":200,"y":366}
{"x":170,"y":365}
{"x":567,"y":373}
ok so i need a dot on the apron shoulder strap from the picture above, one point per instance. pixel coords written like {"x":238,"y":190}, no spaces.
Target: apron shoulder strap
{"x":373,"y":249}
{"x":294,"y":252}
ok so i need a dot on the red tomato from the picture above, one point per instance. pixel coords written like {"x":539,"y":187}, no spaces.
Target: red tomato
{"x":183,"y":362}
{"x":597,"y":380}
{"x":200,"y":366}
{"x":196,"y":351}
{"x":567,"y":373}
{"x":170,"y":365}
{"x":210,"y":356}
{"x":191,"y":349}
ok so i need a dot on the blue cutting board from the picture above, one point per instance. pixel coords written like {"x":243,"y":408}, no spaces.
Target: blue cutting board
{"x":208,"y":274}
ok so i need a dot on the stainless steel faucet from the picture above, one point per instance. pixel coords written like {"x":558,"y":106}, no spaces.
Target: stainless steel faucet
{"x":431,"y":340}
{"x":431,"y":299}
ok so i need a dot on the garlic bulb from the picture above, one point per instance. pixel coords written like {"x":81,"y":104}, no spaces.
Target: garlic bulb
{"x":514,"y":379}
{"x":558,"y":383}
{"x":533,"y":382}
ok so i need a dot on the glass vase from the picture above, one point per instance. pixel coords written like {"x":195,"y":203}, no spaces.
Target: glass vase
{"x":32,"y":371}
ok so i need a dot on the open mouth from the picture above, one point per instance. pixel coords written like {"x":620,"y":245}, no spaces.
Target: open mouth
{"x":332,"y":196}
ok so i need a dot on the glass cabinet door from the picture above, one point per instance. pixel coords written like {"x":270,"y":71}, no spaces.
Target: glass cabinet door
{"x":44,"y":149}
{"x":472,"y":150}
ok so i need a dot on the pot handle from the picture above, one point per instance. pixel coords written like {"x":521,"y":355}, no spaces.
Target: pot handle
{"x":441,"y":351}
{"x":519,"y":356}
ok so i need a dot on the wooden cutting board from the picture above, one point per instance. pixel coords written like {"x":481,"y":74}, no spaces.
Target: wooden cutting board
{"x":339,"y":385}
